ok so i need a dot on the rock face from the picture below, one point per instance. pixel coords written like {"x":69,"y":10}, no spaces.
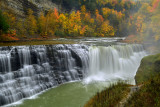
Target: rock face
{"x":27,"y":70}
{"x":20,"y":6}
{"x":150,"y":66}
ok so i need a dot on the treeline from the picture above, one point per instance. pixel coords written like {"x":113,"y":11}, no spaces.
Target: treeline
{"x":144,"y":25}
{"x":90,"y":18}
{"x":92,"y":5}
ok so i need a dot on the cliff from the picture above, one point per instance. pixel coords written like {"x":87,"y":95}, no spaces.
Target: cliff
{"x":148,"y":69}
{"x":148,"y":75}
{"x":20,"y":7}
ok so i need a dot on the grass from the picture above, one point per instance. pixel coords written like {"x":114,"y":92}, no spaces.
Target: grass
{"x":110,"y":96}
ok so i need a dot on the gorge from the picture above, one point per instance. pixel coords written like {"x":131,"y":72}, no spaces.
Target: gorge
{"x":28,"y":70}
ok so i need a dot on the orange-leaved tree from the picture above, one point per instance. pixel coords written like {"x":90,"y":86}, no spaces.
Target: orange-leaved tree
{"x":99,"y":18}
{"x":52,"y":21}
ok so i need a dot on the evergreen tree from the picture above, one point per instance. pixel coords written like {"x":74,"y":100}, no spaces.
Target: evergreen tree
{"x":3,"y":23}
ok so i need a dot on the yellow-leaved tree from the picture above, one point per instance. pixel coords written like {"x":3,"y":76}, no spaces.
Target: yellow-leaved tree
{"x":42,"y":24}
{"x":74,"y":23}
{"x":63,"y":25}
{"x":106,"y":30}
{"x":31,"y":23}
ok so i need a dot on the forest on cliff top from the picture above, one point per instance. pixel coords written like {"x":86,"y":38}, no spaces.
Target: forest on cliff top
{"x":85,"y":18}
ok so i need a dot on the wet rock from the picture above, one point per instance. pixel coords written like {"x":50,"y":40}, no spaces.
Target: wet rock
{"x":1,"y":79}
{"x":15,"y":61}
{"x":2,"y":100}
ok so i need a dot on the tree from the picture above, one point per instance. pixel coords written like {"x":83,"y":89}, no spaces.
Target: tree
{"x":11,"y":19}
{"x":62,"y":25}
{"x":139,"y":24}
{"x":113,"y":16}
{"x":31,"y":23}
{"x":155,"y":25}
{"x":99,"y":18}
{"x":20,"y":27}
{"x":74,"y":23}
{"x":83,"y":9}
{"x":42,"y":24}
{"x":91,"y":5}
{"x":4,"y":26}
{"x":52,"y":21}
{"x":106,"y":29}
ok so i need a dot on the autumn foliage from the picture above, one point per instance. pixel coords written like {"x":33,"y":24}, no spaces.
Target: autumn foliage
{"x":145,"y":23}
{"x":98,"y":18}
{"x":93,"y":18}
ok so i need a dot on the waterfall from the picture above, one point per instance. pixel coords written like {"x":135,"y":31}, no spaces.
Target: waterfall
{"x":5,"y":65}
{"x":28,"y":70}
{"x":117,"y":61}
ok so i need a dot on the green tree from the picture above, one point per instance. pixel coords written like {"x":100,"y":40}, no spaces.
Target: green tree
{"x":4,"y":26}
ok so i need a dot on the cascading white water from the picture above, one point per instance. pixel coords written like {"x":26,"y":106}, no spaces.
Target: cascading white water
{"x":114,"y":62}
{"x":24,"y":55}
{"x":5,"y":64}
{"x":28,"y":70}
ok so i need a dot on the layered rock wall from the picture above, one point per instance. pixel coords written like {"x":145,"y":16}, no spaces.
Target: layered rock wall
{"x":20,"y":7}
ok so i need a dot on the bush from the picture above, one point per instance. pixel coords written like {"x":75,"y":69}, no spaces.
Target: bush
{"x":4,"y":26}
